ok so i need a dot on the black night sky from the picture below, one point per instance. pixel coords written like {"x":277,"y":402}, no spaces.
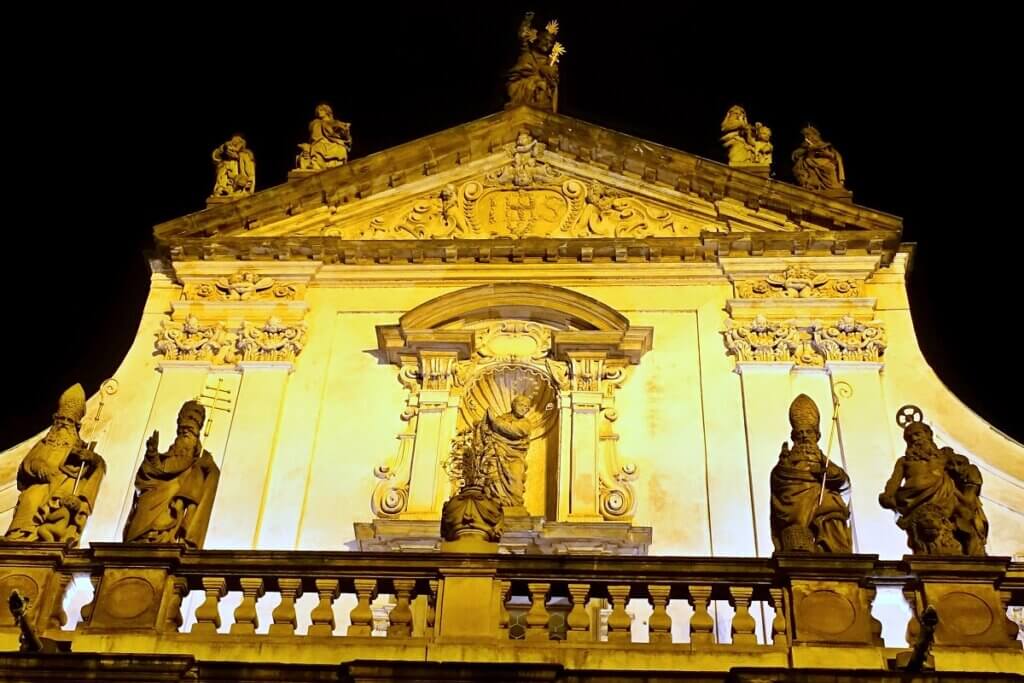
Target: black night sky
{"x":115,"y":114}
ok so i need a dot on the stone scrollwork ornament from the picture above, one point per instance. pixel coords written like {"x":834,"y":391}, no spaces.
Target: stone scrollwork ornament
{"x":798,"y":282}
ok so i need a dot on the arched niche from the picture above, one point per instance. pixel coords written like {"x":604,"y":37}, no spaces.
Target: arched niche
{"x":463,"y":350}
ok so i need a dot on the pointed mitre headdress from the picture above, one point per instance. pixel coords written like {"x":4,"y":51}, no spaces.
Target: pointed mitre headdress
{"x":72,"y":403}
{"x":194,"y":412}
{"x":803,"y":412}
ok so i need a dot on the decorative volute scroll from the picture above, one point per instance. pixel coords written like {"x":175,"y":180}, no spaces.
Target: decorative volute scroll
{"x":242,"y":285}
{"x":470,"y":353}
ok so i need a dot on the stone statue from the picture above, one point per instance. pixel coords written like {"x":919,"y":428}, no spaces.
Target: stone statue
{"x":474,"y":516}
{"x":808,"y":511}
{"x":58,"y":480}
{"x":329,"y":142}
{"x":746,"y":145}
{"x":533,"y":80}
{"x":174,"y":490}
{"x":236,"y":169}
{"x":817,"y":165}
{"x":936,"y":493}
{"x":503,"y":441}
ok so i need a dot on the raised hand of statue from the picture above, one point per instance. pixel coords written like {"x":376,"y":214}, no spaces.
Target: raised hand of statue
{"x":152,"y":443}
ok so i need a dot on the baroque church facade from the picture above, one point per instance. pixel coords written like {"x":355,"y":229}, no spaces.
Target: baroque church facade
{"x":505,"y":403}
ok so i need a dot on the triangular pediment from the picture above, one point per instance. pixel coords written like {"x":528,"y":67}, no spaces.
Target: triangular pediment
{"x":524,"y":174}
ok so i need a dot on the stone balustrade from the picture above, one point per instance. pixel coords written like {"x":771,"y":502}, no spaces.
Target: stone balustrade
{"x":580,"y":612}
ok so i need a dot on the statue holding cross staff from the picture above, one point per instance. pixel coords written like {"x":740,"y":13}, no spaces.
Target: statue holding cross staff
{"x":175,"y":489}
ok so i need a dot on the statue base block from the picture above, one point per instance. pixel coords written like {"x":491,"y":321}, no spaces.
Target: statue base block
{"x":217,"y":201}
{"x":469,"y":544}
{"x":762,"y":170}
{"x":522,"y":535}
{"x":841,"y":195}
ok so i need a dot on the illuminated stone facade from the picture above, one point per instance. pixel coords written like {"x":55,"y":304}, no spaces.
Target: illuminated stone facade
{"x":659,"y":311}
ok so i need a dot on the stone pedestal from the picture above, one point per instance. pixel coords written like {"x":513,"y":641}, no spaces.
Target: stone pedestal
{"x":828,"y":598}
{"x":963,"y":590}
{"x":32,"y":569}
{"x":132,"y":596}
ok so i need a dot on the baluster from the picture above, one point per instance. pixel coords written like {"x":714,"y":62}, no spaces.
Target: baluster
{"x":177,"y":590}
{"x":246,"y":619}
{"x":432,"y":606}
{"x":503,"y":618}
{"x":702,"y":626}
{"x":284,"y":616}
{"x":743,"y":625}
{"x":361,"y":615}
{"x":914,"y":625}
{"x":322,"y":615}
{"x":401,"y":615}
{"x":619,"y":621}
{"x":578,"y":620}
{"x":58,"y":617}
{"x":208,"y":614}
{"x":537,"y":617}
{"x":780,"y":636}
{"x":660,"y":623}
{"x":88,"y":609}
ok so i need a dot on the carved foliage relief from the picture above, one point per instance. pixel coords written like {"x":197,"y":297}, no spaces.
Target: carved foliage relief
{"x":192,"y":340}
{"x":806,"y":343}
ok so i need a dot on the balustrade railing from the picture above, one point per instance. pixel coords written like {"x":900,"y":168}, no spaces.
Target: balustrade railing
{"x":773,"y":608}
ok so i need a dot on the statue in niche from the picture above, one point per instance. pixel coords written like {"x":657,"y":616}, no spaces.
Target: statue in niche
{"x":503,"y":441}
{"x":236,"y":168}
{"x":817,"y":165}
{"x":808,"y":511}
{"x":330,"y":141}
{"x":175,"y":490}
{"x":936,"y":493}
{"x":58,"y":480}
{"x":533,"y":80}
{"x":745,"y":145}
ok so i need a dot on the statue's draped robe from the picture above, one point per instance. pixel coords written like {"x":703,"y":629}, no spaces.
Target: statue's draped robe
{"x":819,"y":167}
{"x":795,"y":494}
{"x":47,"y":475}
{"x":174,"y":496}
{"x":506,"y":440}
{"x":327,"y":142}
{"x":532,"y":80}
